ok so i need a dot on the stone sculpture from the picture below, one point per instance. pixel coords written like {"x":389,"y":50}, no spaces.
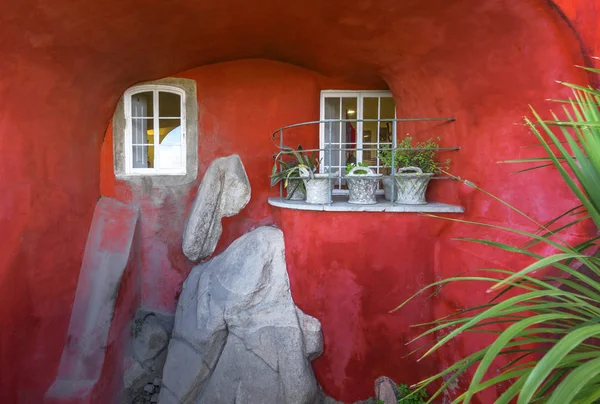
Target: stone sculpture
{"x":238,"y":336}
{"x":223,"y":192}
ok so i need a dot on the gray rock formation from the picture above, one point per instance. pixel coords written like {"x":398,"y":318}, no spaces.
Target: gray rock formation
{"x":151,"y":339}
{"x":148,"y":353}
{"x":238,"y":336}
{"x":385,"y":390}
{"x":223,"y":192}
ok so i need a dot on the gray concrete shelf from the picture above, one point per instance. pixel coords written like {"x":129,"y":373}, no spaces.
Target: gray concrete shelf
{"x":340,"y":204}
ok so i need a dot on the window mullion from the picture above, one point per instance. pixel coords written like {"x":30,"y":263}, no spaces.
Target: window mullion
{"x":156,"y":132}
{"x":182,"y":125}
{"x":378,"y":133}
{"x":340,"y":143}
{"x":128,"y":135}
{"x":322,"y":135}
{"x":359,"y":128}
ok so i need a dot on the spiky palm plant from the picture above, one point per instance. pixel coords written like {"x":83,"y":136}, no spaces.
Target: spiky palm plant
{"x":548,"y":339}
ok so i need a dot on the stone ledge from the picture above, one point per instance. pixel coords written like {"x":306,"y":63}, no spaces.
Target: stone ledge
{"x":340,"y":204}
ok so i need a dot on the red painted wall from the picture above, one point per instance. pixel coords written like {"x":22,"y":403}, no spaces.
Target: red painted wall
{"x":64,"y":67}
{"x":350,"y":269}
{"x":583,"y":17}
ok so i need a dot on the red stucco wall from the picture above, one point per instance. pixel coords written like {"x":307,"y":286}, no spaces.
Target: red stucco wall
{"x":64,"y":67}
{"x":350,"y":269}
{"x":583,"y":18}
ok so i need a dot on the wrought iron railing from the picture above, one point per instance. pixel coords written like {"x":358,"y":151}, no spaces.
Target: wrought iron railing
{"x":278,"y":140}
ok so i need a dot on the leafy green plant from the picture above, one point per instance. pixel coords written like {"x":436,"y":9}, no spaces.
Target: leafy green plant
{"x":421,"y":154}
{"x":424,"y":157}
{"x":350,"y":166}
{"x":407,"y":396}
{"x":385,"y":156}
{"x":549,"y":330}
{"x":287,"y":165}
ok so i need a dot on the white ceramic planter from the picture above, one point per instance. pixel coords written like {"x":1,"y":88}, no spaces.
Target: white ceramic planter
{"x":317,"y":187}
{"x":362,"y":187}
{"x":387,"y":187}
{"x":411,"y":186}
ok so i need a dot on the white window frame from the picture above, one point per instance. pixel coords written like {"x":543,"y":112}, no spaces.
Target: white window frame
{"x":359,"y":95}
{"x":156,"y":170}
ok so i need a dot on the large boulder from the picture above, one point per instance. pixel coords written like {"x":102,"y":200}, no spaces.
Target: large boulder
{"x":238,"y":336}
{"x":223,"y":192}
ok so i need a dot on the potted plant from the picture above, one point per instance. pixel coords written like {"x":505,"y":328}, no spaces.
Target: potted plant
{"x":362,"y":184}
{"x":289,"y":173}
{"x":304,"y":167}
{"x":417,"y":164}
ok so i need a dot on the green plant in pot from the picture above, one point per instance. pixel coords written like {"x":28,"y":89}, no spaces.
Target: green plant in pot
{"x":362,"y":184}
{"x":287,"y":170}
{"x":299,"y":166}
{"x":417,"y":164}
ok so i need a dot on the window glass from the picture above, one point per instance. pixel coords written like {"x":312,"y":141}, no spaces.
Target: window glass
{"x":143,"y":156}
{"x":170,"y":131}
{"x":370,"y":130}
{"x":142,"y":105}
{"x":169,"y":105}
{"x":369,"y":124}
{"x":156,"y":140}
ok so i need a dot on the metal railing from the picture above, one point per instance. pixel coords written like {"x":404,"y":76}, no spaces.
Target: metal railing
{"x":278,"y":141}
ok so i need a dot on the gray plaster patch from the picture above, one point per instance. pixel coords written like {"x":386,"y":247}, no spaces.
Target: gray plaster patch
{"x":191,"y":111}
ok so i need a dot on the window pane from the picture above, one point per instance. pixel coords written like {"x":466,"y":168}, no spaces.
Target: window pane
{"x":141,"y":131}
{"x":332,"y":132}
{"x":170,"y":157}
{"x":169,"y":105}
{"x":349,"y":111}
{"x":142,"y":156}
{"x":370,"y":155}
{"x":170,"y":131}
{"x":385,"y":131}
{"x":388,"y":108}
{"x":370,"y":111}
{"x":141,"y":105}
{"x":332,"y":108}
{"x":387,"y":111}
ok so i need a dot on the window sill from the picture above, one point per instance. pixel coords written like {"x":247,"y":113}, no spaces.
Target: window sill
{"x":340,"y":204}
{"x":150,"y":174}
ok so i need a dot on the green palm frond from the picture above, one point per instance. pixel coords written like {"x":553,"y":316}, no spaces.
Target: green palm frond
{"x":546,"y":333}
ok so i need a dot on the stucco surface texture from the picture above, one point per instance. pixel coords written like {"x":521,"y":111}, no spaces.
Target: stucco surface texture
{"x":66,"y":64}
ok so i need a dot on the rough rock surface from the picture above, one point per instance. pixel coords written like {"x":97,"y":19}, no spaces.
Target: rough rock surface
{"x":385,"y":390}
{"x":223,"y":192}
{"x":238,"y":336}
{"x":142,"y":376}
{"x":151,"y":339}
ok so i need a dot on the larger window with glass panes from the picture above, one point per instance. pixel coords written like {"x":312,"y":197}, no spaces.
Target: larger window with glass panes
{"x":356,"y":124}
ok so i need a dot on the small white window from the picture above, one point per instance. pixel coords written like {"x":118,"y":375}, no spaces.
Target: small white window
{"x":155,"y":130}
{"x":371,"y":125}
